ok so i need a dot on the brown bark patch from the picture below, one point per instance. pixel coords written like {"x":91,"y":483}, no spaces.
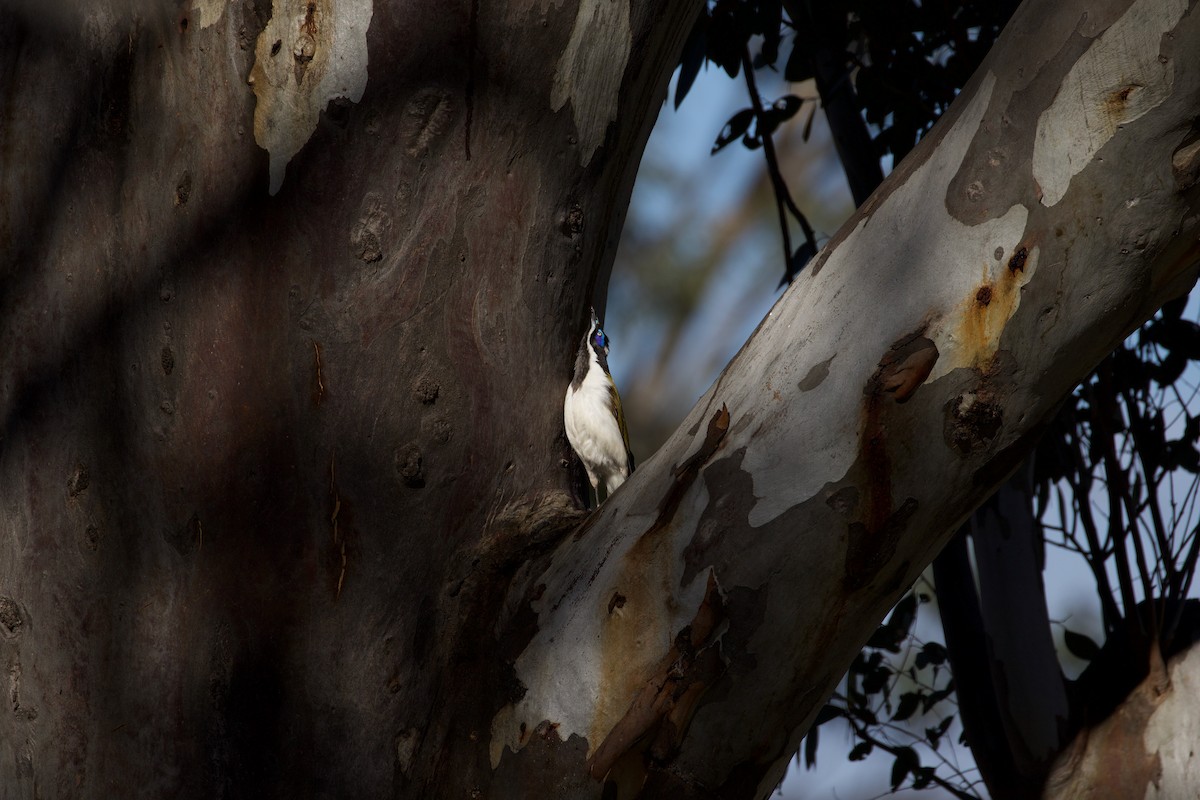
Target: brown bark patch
{"x":657,"y":719}
{"x":11,"y":619}
{"x":639,"y":619}
{"x":904,"y":367}
{"x":872,"y":539}
{"x":183,"y":189}
{"x":1110,"y":759}
{"x":428,"y":117}
{"x":1017,"y":262}
{"x":971,"y":423}
{"x":78,"y":481}
{"x":1116,"y":101}
{"x":616,"y":601}
{"x":869,"y":550}
{"x":1185,"y":164}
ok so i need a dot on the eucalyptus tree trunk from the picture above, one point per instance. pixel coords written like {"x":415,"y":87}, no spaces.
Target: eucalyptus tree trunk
{"x":288,"y":300}
{"x":1146,"y":748}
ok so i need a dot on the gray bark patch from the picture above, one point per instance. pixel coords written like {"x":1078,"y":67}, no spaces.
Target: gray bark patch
{"x":817,"y":375}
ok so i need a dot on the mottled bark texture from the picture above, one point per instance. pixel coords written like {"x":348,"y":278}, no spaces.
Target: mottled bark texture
{"x":1146,"y":748}
{"x":266,"y":461}
{"x":285,"y":494}
{"x":902,"y":377}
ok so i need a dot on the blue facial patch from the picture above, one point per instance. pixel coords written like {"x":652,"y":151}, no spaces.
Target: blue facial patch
{"x":599,"y":339}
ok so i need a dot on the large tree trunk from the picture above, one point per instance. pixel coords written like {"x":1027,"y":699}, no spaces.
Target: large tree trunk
{"x":284,"y":485}
{"x":250,"y":443}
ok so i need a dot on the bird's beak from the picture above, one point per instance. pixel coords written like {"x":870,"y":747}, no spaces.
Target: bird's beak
{"x":595,"y":319}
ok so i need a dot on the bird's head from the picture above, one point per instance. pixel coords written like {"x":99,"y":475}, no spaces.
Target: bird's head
{"x":598,"y":339}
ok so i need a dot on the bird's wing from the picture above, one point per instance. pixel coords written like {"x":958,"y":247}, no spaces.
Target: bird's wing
{"x":616,"y":402}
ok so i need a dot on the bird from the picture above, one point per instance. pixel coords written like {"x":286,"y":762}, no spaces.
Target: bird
{"x":593,"y":417}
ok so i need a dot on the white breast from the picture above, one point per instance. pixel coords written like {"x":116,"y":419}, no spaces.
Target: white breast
{"x":592,"y":429}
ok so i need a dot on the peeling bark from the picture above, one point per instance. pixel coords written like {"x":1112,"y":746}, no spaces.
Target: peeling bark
{"x":1146,"y":748}
{"x":286,"y":505}
{"x":828,"y":496}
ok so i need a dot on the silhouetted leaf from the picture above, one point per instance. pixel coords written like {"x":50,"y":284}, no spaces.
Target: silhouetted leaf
{"x":890,"y":635}
{"x":1080,"y":646}
{"x":799,"y":63}
{"x":934,"y":735}
{"x":865,"y":714}
{"x":810,"y":748}
{"x":735,"y":127}
{"x":906,"y":762}
{"x":861,"y":751}
{"x":769,"y":53}
{"x":827,"y":713}
{"x":787,"y":106}
{"x":726,"y":38}
{"x":1173,"y":309}
{"x":1191,"y":430}
{"x":884,"y":638}
{"x":931,"y":653}
{"x":692,"y":59}
{"x":1181,"y":455}
{"x":933,"y":698}
{"x":1170,"y":369}
{"x":908,"y":704}
{"x":876,"y":680}
{"x":1180,"y":336}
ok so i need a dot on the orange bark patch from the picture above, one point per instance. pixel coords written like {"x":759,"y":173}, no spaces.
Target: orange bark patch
{"x":1110,"y":759}
{"x":988,"y":311}
{"x":636,"y":628}
{"x":902,"y":370}
{"x":657,"y":719}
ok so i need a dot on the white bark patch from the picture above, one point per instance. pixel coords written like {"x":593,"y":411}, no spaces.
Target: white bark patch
{"x":210,"y":11}
{"x":1118,"y":79}
{"x":939,"y":266}
{"x":311,"y":52}
{"x":590,"y":70}
{"x":1174,"y":731}
{"x":609,"y":648}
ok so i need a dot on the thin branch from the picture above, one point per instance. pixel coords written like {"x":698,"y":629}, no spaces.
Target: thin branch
{"x":1117,"y":486}
{"x":864,"y":733}
{"x":783,"y":198}
{"x":1081,"y":487}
